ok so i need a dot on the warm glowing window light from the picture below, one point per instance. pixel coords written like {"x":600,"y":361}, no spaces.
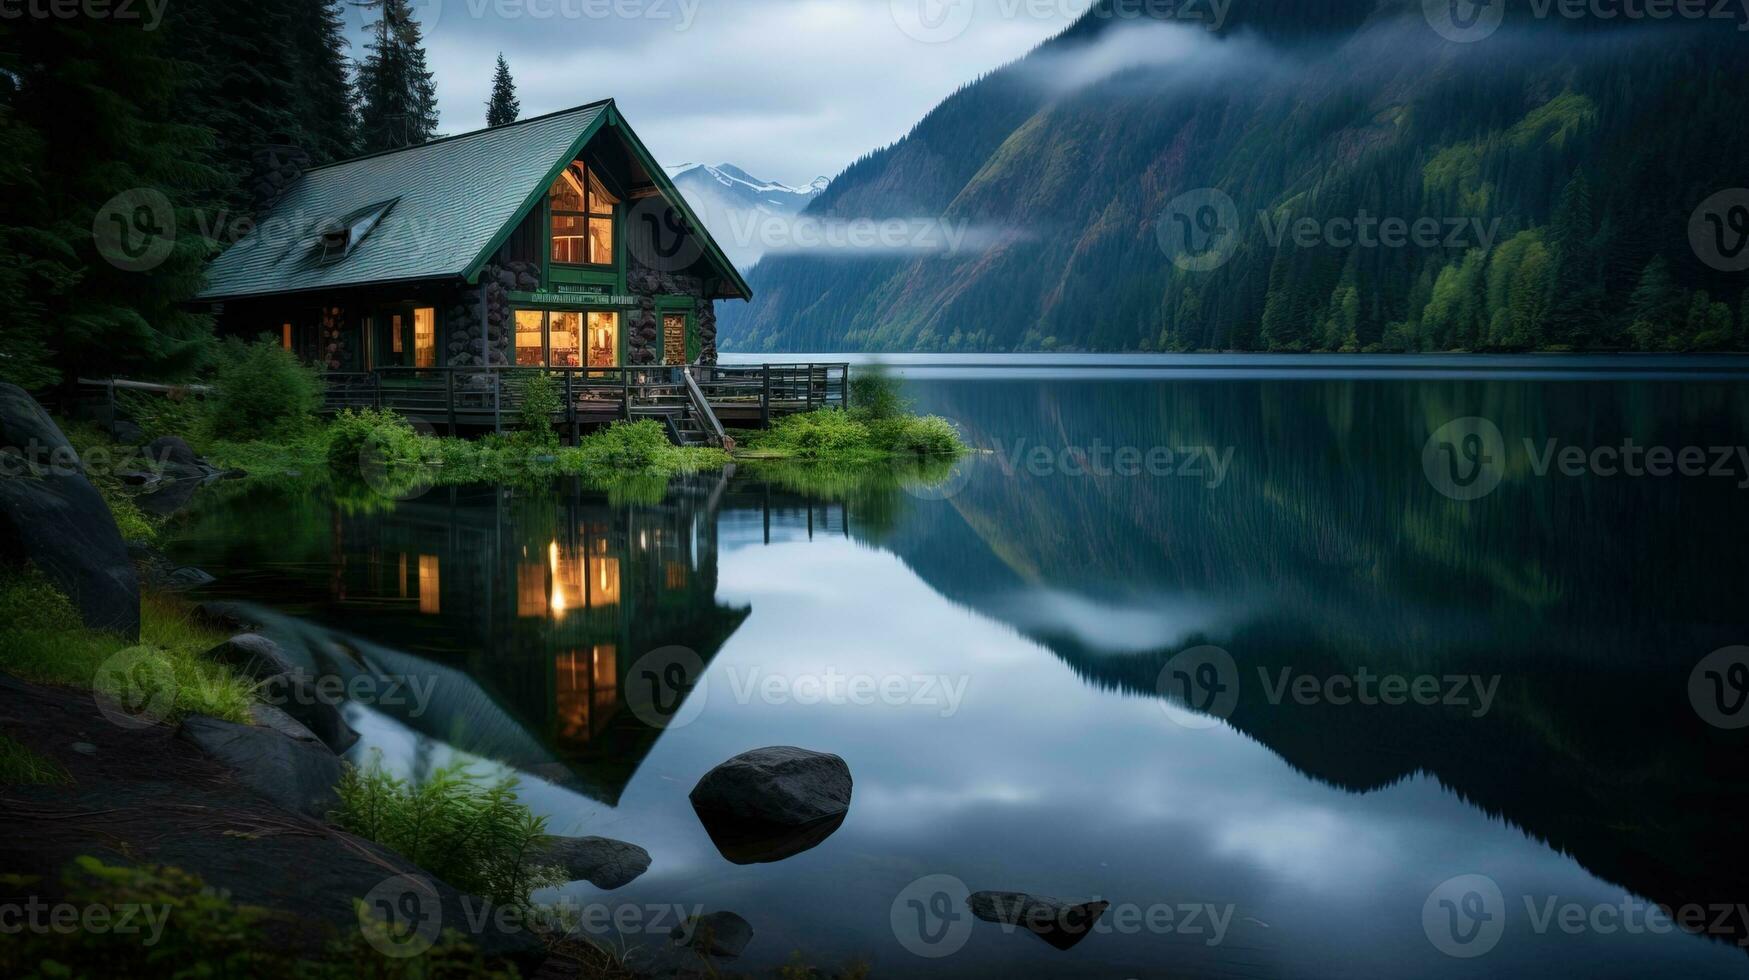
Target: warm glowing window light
{"x":430,"y":585}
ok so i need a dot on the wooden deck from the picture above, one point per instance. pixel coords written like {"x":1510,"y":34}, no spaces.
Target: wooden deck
{"x":693,"y":402}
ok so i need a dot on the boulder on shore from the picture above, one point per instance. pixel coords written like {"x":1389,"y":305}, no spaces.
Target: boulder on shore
{"x":288,"y":686}
{"x":773,"y":803}
{"x":1056,"y":922}
{"x":53,"y":518}
{"x":293,"y":773}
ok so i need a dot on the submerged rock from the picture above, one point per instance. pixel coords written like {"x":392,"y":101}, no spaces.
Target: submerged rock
{"x":53,"y":518}
{"x":601,"y":861}
{"x":298,"y":775}
{"x":1056,"y":922}
{"x":720,"y":934}
{"x":771,"y":803}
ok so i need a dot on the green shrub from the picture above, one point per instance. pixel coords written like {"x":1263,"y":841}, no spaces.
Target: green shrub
{"x":626,"y":446}
{"x":927,"y":435}
{"x":179,"y":413}
{"x":823,"y":432}
{"x":540,"y":401}
{"x":376,"y":434}
{"x":473,"y":835}
{"x":874,"y":394}
{"x":262,"y":389}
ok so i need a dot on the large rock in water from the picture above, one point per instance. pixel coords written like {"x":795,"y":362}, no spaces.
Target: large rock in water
{"x":1056,"y":922}
{"x":297,"y":774}
{"x":601,"y":861}
{"x":52,"y":517}
{"x":772,"y":803}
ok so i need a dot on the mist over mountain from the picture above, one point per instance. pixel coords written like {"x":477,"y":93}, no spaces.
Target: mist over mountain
{"x":1335,"y":175}
{"x":741,"y":211}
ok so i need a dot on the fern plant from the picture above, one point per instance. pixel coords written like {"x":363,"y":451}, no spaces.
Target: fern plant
{"x":475,"y":835}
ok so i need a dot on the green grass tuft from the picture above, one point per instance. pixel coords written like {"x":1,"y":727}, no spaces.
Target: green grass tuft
{"x":43,"y":641}
{"x":19,"y":766}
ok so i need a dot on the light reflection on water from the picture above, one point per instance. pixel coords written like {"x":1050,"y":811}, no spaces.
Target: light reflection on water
{"x":1050,"y":604}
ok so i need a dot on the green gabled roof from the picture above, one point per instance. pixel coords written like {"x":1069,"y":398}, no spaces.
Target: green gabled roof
{"x":455,"y":200}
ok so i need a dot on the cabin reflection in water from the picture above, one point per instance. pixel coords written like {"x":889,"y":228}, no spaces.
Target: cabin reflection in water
{"x":543,"y":600}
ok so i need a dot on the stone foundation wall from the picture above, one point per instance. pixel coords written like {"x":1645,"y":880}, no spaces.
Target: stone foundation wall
{"x":644,"y":333}
{"x":462,"y":317}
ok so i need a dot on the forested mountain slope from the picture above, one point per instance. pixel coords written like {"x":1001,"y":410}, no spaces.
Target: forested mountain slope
{"x":1548,"y":175}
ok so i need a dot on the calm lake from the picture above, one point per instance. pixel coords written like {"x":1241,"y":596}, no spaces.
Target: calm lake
{"x":1418,"y":652}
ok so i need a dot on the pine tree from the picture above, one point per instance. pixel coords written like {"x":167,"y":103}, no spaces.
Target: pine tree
{"x":503,"y":107}
{"x":397,"y":97}
{"x":99,"y":250}
{"x":327,"y":110}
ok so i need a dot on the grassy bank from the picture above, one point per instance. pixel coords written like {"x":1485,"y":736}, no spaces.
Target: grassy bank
{"x":42,"y":640}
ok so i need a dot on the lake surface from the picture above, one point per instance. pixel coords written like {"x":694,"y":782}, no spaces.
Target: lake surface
{"x":1119,"y":655}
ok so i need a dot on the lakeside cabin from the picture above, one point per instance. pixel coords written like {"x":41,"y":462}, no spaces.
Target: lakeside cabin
{"x":436,"y":279}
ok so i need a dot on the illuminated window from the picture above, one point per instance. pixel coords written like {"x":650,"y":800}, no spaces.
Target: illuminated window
{"x":395,"y":333}
{"x":582,"y":218}
{"x":285,"y":336}
{"x":566,"y":336}
{"x":425,"y":337}
{"x":603,"y":339}
{"x":430,"y":585}
{"x":530,"y":352}
{"x":673,"y":338}
{"x":531,"y":590}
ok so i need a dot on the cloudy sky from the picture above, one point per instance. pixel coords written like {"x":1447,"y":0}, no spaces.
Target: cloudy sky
{"x":787,"y":89}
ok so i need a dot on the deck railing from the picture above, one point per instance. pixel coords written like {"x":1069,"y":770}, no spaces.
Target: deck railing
{"x":493,"y":396}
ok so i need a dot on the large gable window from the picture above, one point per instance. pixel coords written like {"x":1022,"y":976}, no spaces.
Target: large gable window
{"x":582,"y":216}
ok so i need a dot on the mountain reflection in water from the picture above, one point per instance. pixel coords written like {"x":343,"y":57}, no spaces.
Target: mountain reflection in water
{"x":1580,"y":604}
